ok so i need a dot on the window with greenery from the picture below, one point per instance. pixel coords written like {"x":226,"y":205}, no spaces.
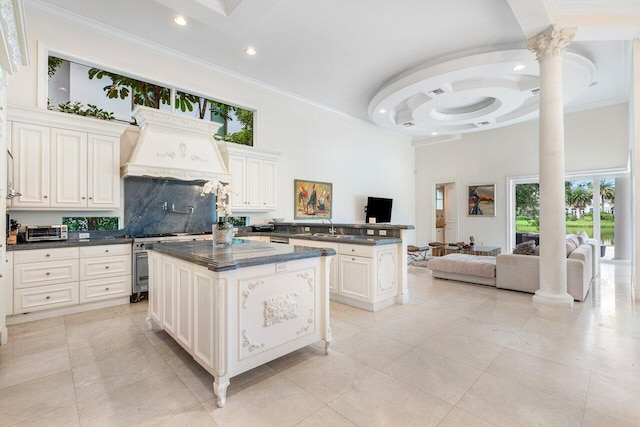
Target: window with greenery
{"x":579,"y":199}
{"x":88,"y":91}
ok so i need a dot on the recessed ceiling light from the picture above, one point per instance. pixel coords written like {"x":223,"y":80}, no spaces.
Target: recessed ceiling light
{"x":180,"y":20}
{"x":434,"y":133}
{"x":382,"y":111}
{"x":519,"y":67}
{"x":250,"y":51}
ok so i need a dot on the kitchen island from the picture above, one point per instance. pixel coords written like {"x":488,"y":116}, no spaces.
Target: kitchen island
{"x":237,"y":307}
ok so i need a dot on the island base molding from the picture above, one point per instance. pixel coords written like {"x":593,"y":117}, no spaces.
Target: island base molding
{"x":236,"y":320}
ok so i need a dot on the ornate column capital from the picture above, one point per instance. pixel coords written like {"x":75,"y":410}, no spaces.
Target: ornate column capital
{"x":551,"y":42}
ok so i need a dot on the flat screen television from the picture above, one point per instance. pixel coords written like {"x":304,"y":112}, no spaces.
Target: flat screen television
{"x":379,"y":208}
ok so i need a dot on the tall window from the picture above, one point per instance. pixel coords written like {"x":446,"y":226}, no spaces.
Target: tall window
{"x":88,"y":91}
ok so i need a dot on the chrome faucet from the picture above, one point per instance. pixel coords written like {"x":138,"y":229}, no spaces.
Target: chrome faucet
{"x":332,"y":229}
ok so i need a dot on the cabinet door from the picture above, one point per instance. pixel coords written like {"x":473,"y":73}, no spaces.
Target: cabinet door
{"x":7,"y":278}
{"x":254,"y":184}
{"x":237,"y":167}
{"x":102,"y":289}
{"x":168,"y":269}
{"x":30,"y":146}
{"x":268,"y":185}
{"x":103,"y":180}
{"x":155,"y":287}
{"x":68,"y":169}
{"x":355,"y":276}
{"x":386,"y":271}
{"x":184,"y":305}
{"x":45,"y":297}
{"x":205,"y":316}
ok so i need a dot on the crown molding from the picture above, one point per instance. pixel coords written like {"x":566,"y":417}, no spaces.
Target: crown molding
{"x":14,"y":50}
{"x":135,"y":41}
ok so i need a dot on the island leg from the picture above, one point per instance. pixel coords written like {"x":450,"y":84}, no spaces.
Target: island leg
{"x":220,"y":389}
{"x":327,"y":344}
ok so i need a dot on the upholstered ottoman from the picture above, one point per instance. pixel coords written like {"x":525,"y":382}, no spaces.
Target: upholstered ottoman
{"x":465,"y":268}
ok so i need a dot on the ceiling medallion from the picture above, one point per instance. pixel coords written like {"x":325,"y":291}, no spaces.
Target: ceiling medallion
{"x":473,"y":93}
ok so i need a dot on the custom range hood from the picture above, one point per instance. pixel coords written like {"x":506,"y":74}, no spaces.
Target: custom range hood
{"x":171,"y":146}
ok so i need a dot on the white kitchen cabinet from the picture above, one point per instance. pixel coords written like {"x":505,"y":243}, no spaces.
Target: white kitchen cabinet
{"x":30,"y":146}
{"x":8,"y":282}
{"x":355,"y":276}
{"x":364,"y":276}
{"x":253,"y":175}
{"x":62,"y":162}
{"x":333,"y":270}
{"x":68,"y":183}
{"x":168,"y":268}
{"x":43,"y":279}
{"x":105,"y":272}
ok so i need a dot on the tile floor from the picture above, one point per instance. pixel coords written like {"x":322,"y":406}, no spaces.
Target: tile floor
{"x":457,"y":355}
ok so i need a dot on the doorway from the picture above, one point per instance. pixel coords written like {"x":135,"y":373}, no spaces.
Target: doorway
{"x":445,"y":213}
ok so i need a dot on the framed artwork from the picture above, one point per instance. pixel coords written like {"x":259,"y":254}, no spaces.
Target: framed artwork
{"x":312,"y":199}
{"x":482,"y":200}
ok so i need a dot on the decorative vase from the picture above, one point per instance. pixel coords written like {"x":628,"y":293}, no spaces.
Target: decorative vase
{"x":223,"y":233}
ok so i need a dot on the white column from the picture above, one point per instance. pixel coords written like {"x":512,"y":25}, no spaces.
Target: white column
{"x":635,"y":166}
{"x":548,"y":47}
{"x":622,"y":226}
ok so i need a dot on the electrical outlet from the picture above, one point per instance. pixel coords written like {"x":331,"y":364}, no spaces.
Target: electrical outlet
{"x":371,"y":232}
{"x":382,"y":232}
{"x":83,"y":235}
{"x":307,"y":229}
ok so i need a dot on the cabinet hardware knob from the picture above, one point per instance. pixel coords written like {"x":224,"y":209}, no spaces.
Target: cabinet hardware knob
{"x":48,"y":297}
{"x":353,"y":259}
{"x":106,"y":289}
{"x":106,"y":250}
{"x":107,"y":267}
{"x":90,"y":198}
{"x":83,"y":198}
{"x":48,"y":273}
{"x":48,"y":255}
{"x":45,"y":197}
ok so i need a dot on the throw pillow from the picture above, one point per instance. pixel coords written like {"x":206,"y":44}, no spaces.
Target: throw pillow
{"x":570,"y":247}
{"x":525,"y":248}
{"x":582,"y":236}
{"x":574,"y":240}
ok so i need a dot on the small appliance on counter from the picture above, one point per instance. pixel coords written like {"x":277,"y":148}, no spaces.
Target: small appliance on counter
{"x":43,"y":233}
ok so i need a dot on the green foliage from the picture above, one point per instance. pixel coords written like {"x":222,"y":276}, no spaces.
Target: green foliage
{"x":54,"y":64}
{"x":527,"y":200}
{"x":144,"y":93}
{"x":579,"y":196}
{"x":78,"y":109}
{"x":245,"y":135}
{"x":91,"y":223}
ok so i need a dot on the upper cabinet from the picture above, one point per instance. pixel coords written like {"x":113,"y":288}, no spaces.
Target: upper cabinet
{"x":74,"y":165}
{"x":253,"y":176}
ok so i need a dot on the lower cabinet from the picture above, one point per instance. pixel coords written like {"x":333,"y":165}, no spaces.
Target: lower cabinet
{"x":8,"y":283}
{"x":43,"y":279}
{"x":364,"y":276}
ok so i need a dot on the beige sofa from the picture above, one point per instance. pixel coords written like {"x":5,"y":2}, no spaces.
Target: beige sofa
{"x":522,"y":272}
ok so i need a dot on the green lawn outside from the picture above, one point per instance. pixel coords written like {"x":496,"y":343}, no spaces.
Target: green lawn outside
{"x":606,"y":228}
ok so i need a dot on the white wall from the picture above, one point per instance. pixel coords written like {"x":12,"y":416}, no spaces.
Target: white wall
{"x":359,"y":159}
{"x":594,"y":140}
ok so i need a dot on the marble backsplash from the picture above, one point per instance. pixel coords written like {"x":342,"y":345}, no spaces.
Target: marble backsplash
{"x":157,"y":205}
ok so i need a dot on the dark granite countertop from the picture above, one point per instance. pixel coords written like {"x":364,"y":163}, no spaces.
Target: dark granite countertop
{"x":69,"y":243}
{"x":242,"y":253}
{"x":326,"y":237}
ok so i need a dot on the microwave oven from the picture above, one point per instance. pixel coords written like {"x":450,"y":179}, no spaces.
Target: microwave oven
{"x":41,"y":233}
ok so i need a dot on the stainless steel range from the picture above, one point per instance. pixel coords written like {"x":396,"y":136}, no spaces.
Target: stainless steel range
{"x":141,"y":258}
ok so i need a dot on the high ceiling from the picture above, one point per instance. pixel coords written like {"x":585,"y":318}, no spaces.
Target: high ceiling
{"x":342,"y":54}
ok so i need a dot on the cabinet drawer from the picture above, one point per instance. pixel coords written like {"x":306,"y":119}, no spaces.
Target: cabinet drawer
{"x":104,"y":250}
{"x":40,"y":255}
{"x":45,"y":297}
{"x":93,"y":268}
{"x":45,"y":273}
{"x":100,"y":289}
{"x":357,"y":250}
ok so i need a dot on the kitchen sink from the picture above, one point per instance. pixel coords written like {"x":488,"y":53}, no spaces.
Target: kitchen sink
{"x":334,"y":236}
